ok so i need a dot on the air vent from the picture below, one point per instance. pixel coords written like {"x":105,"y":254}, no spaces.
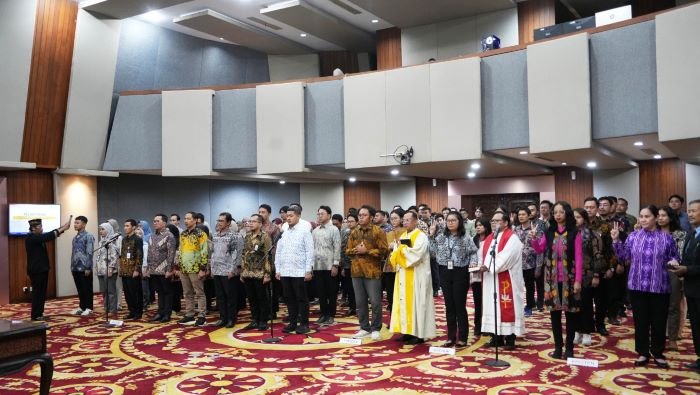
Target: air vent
{"x":346,"y":7}
{"x":263,"y":23}
{"x":649,"y":151}
{"x":544,"y":158}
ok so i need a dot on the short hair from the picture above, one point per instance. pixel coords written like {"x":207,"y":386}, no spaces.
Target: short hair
{"x":399,"y":211}
{"x":131,"y":222}
{"x":592,"y":199}
{"x":506,"y":218}
{"x":396,"y":206}
{"x":353,"y":215}
{"x":654,"y":210}
{"x":199,"y":216}
{"x":337,"y":217}
{"x":525,"y":209}
{"x":676,"y":196}
{"x":294,"y":208}
{"x":369,"y":208}
{"x":258,"y":216}
{"x":478,"y":208}
{"x":624,"y":200}
{"x":381,"y":212}
{"x":424,"y":207}
{"x":463,"y":210}
{"x":192,"y":213}
{"x":266,"y":207}
{"x":696,"y":201}
{"x":411,"y":208}
{"x":411,"y":213}
{"x":176,"y":215}
{"x":296,"y":204}
{"x":613,"y":199}
{"x":326,"y":209}
{"x":163,"y":217}
{"x":439,"y":216}
{"x":81,"y":218}
{"x":227,"y":216}
{"x":548,"y":203}
{"x":446,"y":208}
{"x":606,"y":198}
{"x":284,"y":209}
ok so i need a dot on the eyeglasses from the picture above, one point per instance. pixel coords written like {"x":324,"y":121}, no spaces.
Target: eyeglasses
{"x":452,"y":220}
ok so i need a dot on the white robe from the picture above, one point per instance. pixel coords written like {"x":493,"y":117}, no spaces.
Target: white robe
{"x":413,"y":309}
{"x":509,"y":259}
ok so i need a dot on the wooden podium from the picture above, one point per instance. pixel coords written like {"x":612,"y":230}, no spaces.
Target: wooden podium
{"x":23,"y":343}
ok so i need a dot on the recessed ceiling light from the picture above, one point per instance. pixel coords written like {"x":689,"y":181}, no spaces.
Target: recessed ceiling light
{"x":657,"y":156}
{"x":375,"y":21}
{"x":471,"y":174}
{"x":591,"y":165}
{"x":283,"y":182}
{"x":153,"y":16}
{"x":303,"y":34}
{"x":638,"y":143}
{"x":395,"y":172}
{"x":352,"y":179}
{"x":221,"y":38}
{"x":476,"y":166}
{"x":523,"y":152}
{"x":563,"y":163}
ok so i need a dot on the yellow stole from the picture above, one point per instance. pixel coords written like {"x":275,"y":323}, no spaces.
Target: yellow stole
{"x":398,"y":258}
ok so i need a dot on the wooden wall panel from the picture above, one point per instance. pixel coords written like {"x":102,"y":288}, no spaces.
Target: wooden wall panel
{"x":659,"y":179}
{"x":355,"y":194}
{"x":533,"y":14}
{"x":49,"y":78}
{"x":572,"y":191}
{"x":389,"y":48}
{"x":433,"y":196}
{"x":32,"y":186}
{"x":344,"y":60}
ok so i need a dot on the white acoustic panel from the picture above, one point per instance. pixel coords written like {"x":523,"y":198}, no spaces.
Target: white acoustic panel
{"x":455,"y":109}
{"x":678,"y":73}
{"x":364,"y":103}
{"x":408,"y":111}
{"x":559,"y":94}
{"x":187,"y":131}
{"x":280,"y":127}
{"x":90,"y":93}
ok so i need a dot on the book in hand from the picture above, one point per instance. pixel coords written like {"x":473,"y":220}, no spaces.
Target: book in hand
{"x":406,"y":242}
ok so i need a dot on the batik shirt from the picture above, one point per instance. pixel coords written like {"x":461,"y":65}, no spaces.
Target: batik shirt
{"x":161,"y":252}
{"x":256,"y":256}
{"x":194,"y":251}
{"x":81,"y":257}
{"x":226,"y":250}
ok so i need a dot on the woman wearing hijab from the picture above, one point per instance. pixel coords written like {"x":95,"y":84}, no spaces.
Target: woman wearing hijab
{"x":118,"y":243}
{"x":106,"y":266}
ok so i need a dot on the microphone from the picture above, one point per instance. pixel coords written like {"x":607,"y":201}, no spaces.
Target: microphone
{"x":497,"y":231}
{"x":116,"y":236}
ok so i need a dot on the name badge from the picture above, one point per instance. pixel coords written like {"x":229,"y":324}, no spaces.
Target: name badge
{"x":128,"y":255}
{"x":450,"y":265}
{"x":442,"y":350}
{"x":351,"y":341}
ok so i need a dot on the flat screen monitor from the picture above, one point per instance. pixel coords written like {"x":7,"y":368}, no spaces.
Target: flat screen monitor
{"x":20,"y":214}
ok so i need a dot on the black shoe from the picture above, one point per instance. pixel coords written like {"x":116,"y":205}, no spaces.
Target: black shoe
{"x":569,"y":354}
{"x":540,"y":309}
{"x":351,"y":312}
{"x":200,"y":321}
{"x":137,"y":317}
{"x":40,"y":318}
{"x":219,"y":323}
{"x":289,"y":328}
{"x":252,"y":325}
{"x":602,"y":331}
{"x":185,"y":320}
{"x":694,"y":365}
{"x":230,"y":324}
{"x":415,"y":340}
{"x":129,"y":316}
{"x":301,"y":329}
{"x":262,"y":326}
{"x":510,"y":342}
{"x":661,"y":362}
{"x":322,"y":319}
{"x":164,"y":320}
{"x":492,"y":342}
{"x":613,"y":321}
{"x":556,"y":354}
{"x":157,"y":317}
{"x":403,"y":338}
{"x":448,"y":344}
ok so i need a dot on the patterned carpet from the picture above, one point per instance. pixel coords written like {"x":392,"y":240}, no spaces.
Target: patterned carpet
{"x":143,"y":358}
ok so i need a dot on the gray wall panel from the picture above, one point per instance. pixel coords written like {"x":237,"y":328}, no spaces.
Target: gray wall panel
{"x":504,"y":101}
{"x":277,"y":195}
{"x":233,"y":136}
{"x":214,"y":56}
{"x":324,"y":137}
{"x":623,"y":81}
{"x":135,"y":140}
{"x":239,"y":199}
{"x":179,"y":62}
{"x":137,"y":56}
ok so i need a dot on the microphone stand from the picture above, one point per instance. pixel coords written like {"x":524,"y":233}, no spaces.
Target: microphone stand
{"x":272,"y":338}
{"x":106,"y":293}
{"x":492,"y":268}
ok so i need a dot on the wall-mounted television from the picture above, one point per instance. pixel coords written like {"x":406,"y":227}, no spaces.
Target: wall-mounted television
{"x":20,"y":214}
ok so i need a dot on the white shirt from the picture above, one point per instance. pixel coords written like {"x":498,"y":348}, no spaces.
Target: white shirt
{"x":294,"y":256}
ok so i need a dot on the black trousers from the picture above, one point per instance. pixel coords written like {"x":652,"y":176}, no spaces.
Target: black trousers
{"x":227,"y":290}
{"x":650,"y":313}
{"x":164,"y":287}
{"x":694,"y":311}
{"x":388,"y":279}
{"x":83,"y":284}
{"x":478,"y":306}
{"x":327,"y":292}
{"x":616,"y":294}
{"x":297,"y":299}
{"x":133,"y":292}
{"x":435,"y":274}
{"x":348,"y":288}
{"x":529,"y":277}
{"x":209,"y":292}
{"x":455,"y":285}
{"x":571,"y":321}
{"x":258,"y":299}
{"x":40,"y":282}
{"x":539,"y":284}
{"x":177,"y":296}
{"x":600,"y":300}
{"x":585,"y":316}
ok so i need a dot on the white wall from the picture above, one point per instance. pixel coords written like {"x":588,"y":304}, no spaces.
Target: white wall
{"x":293,"y":67}
{"x":16,"y":42}
{"x":77,"y":195}
{"x":392,"y":193}
{"x":186,"y":114}
{"x":457,"y":37}
{"x":692,"y":182}
{"x":312,"y":196}
{"x":619,"y":183}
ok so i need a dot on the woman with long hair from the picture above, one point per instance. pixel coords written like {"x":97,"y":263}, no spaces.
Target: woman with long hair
{"x":650,"y":252}
{"x":669,"y":222}
{"x":483,"y":230}
{"x":562,"y":246}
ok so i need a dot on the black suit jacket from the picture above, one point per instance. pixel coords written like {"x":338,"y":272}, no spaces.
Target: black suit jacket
{"x":691,"y":259}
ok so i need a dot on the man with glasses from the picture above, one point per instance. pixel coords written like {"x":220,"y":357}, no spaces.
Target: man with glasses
{"x":161,"y":258}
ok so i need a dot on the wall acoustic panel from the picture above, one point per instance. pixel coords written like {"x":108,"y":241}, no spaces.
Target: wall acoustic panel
{"x":408,"y":111}
{"x":364,"y":104}
{"x":559,"y":99}
{"x":90,"y":92}
{"x":135,"y":139}
{"x":504,"y":101}
{"x":280,"y":127}
{"x":16,"y":43}
{"x":678,"y":73}
{"x":233,"y":137}
{"x":187,"y":133}
{"x":623,"y":81}
{"x":455,"y":109}
{"x":324,"y":123}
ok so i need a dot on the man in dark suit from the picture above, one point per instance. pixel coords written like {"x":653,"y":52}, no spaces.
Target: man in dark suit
{"x":690,"y":271}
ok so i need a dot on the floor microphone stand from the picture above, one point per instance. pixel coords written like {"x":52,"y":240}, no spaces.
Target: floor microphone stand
{"x":492,"y":268}
{"x":272,"y":338}
{"x":106,"y":291}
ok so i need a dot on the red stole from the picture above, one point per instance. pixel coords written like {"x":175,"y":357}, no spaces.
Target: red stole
{"x":505,"y":285}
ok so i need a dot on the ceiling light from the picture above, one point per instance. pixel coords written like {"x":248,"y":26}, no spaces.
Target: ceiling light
{"x":153,"y":16}
{"x":303,"y":34}
{"x":476,"y":166}
{"x":352,"y":179}
{"x":523,"y":152}
{"x":638,"y":143}
{"x":395,"y":172}
{"x":221,"y":38}
{"x":657,"y":156}
{"x":471,"y":174}
{"x":563,"y":163}
{"x":283,"y":182}
{"x":375,"y":21}
{"x":591,"y":165}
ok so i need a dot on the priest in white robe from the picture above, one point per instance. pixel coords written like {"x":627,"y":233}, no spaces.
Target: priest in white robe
{"x":413,"y":309}
{"x":509,"y":317}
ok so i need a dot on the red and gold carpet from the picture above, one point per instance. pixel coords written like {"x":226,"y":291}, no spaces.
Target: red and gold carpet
{"x":144,"y":358}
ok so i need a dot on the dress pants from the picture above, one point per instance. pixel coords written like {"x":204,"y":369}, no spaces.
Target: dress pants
{"x":650,"y":313}
{"x":539,"y":284}
{"x":327,"y":292}
{"x":478,"y":306}
{"x":177,"y":295}
{"x":297,"y":300}
{"x":258,"y":299}
{"x":600,"y":299}
{"x":350,"y":290}
{"x":133,"y":294}
{"x":164,"y":287}
{"x":571,"y":318}
{"x":368,"y":288}
{"x":83,"y":284}
{"x":40,"y":282}
{"x":434,"y":274}
{"x":388,"y":279}
{"x":108,"y":286}
{"x":455,"y":285}
{"x":209,"y":291}
{"x":193,"y":290}
{"x":227,"y":291}
{"x":529,"y":278}
{"x":616,"y":292}
{"x":675,"y":319}
{"x":585,"y":316}
{"x":694,"y":311}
